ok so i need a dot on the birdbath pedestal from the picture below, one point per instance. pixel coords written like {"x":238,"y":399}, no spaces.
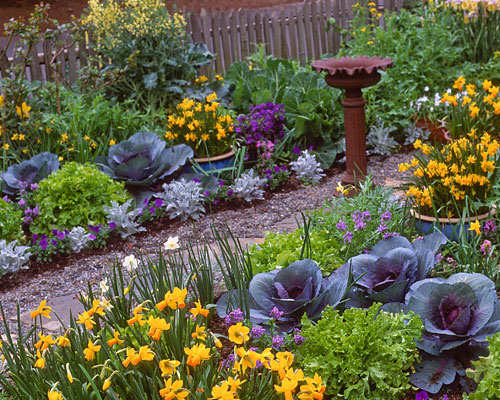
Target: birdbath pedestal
{"x":352,"y":75}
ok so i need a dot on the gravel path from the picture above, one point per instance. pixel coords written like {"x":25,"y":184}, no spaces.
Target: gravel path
{"x":73,"y":274}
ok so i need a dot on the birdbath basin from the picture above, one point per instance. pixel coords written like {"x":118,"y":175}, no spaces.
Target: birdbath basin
{"x":352,"y":75}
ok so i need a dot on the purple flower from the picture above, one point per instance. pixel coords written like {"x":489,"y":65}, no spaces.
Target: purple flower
{"x":228,"y":362}
{"x":221,"y":183}
{"x":43,"y":244}
{"x":158,"y":203}
{"x":422,"y":395}
{"x":485,"y":247}
{"x":196,"y":180}
{"x":390,"y":234}
{"x":28,"y":211}
{"x":6,"y":199}
{"x":299,"y":339}
{"x":95,"y":228}
{"x":207,"y":193}
{"x":386,"y":216}
{"x":112,"y":226}
{"x":277,"y":169}
{"x":275,"y":313}
{"x":365,"y":216}
{"x":359,"y":225}
{"x":257,"y":331}
{"x":284,"y":168}
{"x":92,"y":236}
{"x":439,"y":257}
{"x":229,"y":192}
{"x":382,"y":228}
{"x":152,"y":210}
{"x":233,"y":317}
{"x":21,"y":202}
{"x":347,"y":237}
{"x":27,"y":220}
{"x":278,"y":341}
{"x":33,"y":187}
{"x":60,"y":235}
{"x":36,"y":211}
{"x":489,"y":227}
{"x":34,"y":237}
{"x":54,"y":242}
{"x":341,"y":225}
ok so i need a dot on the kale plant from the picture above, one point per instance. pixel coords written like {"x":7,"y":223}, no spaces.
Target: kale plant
{"x":182,"y":199}
{"x":78,"y":239}
{"x":380,"y":140}
{"x":307,"y":169}
{"x":13,"y":257}
{"x":124,"y":220}
{"x":249,"y":186}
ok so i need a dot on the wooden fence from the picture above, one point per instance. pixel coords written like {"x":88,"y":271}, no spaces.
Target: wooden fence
{"x":292,"y":31}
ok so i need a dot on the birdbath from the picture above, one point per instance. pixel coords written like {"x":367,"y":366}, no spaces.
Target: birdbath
{"x":352,"y":75}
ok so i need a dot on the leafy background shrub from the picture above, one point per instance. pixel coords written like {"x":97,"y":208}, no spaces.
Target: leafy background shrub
{"x":280,"y":250}
{"x":359,"y":354}
{"x":75,"y":196}
{"x":11,"y":221}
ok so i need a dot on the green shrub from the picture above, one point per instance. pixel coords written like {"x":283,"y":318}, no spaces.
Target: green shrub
{"x":75,"y":196}
{"x":361,"y":355}
{"x":10,"y":222}
{"x":283,"y":249}
{"x":486,"y":372}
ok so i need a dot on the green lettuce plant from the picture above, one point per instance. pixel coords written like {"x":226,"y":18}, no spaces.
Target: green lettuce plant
{"x":75,"y":196}
{"x":361,"y":354}
{"x":11,"y":220}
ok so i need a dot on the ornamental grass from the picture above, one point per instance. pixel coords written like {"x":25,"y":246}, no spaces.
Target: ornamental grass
{"x":446,"y":179}
{"x":139,"y":338}
{"x":204,"y":125}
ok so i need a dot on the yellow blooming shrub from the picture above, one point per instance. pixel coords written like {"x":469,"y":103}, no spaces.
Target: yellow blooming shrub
{"x":203,"y":125}
{"x":472,"y":106}
{"x":444,"y":179}
{"x":147,"y":344}
{"x":147,"y":46}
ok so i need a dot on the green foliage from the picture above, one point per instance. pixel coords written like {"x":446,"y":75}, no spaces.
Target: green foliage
{"x":386,"y":215}
{"x":425,"y":50}
{"x":313,"y":113}
{"x":10,"y":222}
{"x":486,"y":372}
{"x":148,"y":47}
{"x":75,"y":196}
{"x":283,"y":249}
{"x":359,"y":354}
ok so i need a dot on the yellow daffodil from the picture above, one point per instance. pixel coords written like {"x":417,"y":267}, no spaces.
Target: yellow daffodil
{"x":199,"y":310}
{"x":116,"y":339}
{"x":223,"y":392}
{"x":138,"y":317}
{"x":476,"y":227}
{"x":197,"y":354}
{"x":44,"y":342}
{"x":238,"y":333}
{"x":174,"y":390}
{"x":54,"y":395}
{"x":42,"y":310}
{"x":144,"y":354}
{"x":157,"y":326}
{"x":287,"y":387}
{"x":86,"y":319}
{"x":23,"y":111}
{"x":174,"y":299}
{"x":168,"y":367}
{"x":199,"y":333}
{"x":90,"y":351}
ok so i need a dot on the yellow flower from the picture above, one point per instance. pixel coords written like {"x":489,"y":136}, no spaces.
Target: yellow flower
{"x":40,"y":362}
{"x":144,"y":354}
{"x":44,"y":342}
{"x":1,"y":101}
{"x":137,"y":318}
{"x":156,"y":327}
{"x":54,"y":395}
{"x":86,"y":319}
{"x":168,"y":367}
{"x":475,"y":226}
{"x":112,"y":142}
{"x":174,"y":299}
{"x":287,"y":387}
{"x":42,"y":310}
{"x":23,"y":111}
{"x":106,"y":384}
{"x":115,"y":339}
{"x":459,"y":83}
{"x":238,"y":333}
{"x":69,"y":375}
{"x":199,"y":310}
{"x":200,"y":333}
{"x":197,"y":354}
{"x":90,"y":351}
{"x":486,"y":84}
{"x":174,"y":390}
{"x":247,"y":359}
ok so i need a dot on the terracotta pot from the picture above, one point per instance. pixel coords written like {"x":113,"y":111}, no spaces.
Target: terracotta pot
{"x":217,"y":162}
{"x":439,"y":133}
{"x":450,"y":227}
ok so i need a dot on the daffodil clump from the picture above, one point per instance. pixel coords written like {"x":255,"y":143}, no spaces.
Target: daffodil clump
{"x":446,"y":179}
{"x":479,"y":21}
{"x":134,"y":342}
{"x":203,"y":125}
{"x":470,"y":106}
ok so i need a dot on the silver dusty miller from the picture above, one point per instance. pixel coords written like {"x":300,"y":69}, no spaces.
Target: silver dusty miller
{"x":13,"y":257}
{"x":125,"y":220}
{"x":307,"y":169}
{"x":78,"y":238}
{"x":182,"y":199}
{"x":380,"y":140}
{"x":249,"y":186}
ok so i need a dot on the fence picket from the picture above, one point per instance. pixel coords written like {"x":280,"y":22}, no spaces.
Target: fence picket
{"x":293,"y":40}
{"x":252,"y":32}
{"x":35,"y":70}
{"x":266,"y":21}
{"x":302,"y":40}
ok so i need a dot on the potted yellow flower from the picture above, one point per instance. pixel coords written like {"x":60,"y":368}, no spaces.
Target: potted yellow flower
{"x":447,"y":179}
{"x":206,"y":127}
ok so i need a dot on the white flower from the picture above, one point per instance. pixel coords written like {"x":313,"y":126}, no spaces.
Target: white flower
{"x":106,"y":304}
{"x":172,"y":243}
{"x":104,"y":286}
{"x":130,"y":262}
{"x":426,"y":89}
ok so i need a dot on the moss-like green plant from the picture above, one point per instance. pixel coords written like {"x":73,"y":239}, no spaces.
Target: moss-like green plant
{"x":359,"y":354}
{"x":75,"y":196}
{"x":10,"y":222}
